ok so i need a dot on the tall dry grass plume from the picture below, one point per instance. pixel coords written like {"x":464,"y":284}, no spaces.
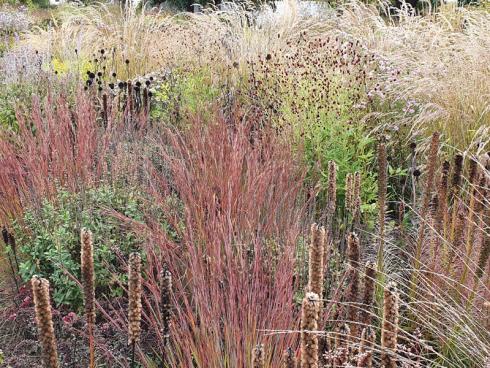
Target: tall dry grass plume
{"x":88,"y":282}
{"x":44,"y":320}
{"x":309,"y":335}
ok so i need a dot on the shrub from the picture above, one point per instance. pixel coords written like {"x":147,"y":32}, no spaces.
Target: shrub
{"x":50,"y":239}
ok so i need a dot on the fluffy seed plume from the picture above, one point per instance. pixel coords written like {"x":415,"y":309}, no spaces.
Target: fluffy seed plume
{"x":88,"y":282}
{"x":134,"y":296}
{"x":316,"y":254}
{"x":309,"y":324}
{"x":258,"y":358}
{"x":44,"y":320}
{"x":389,"y":332}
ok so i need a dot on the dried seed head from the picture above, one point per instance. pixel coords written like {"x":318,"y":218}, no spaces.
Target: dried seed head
{"x":349,"y":192}
{"x":352,"y":295}
{"x":289,"y":359}
{"x":389,"y":332}
{"x":165,"y":302}
{"x":316,"y":254}
{"x":134,"y":296}
{"x":88,"y":276}
{"x":332,"y":188}
{"x":309,"y":326}
{"x":365,"y":316}
{"x":44,"y":320}
{"x":258,"y":358}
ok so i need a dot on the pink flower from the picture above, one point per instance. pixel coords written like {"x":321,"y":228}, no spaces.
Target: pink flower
{"x":12,"y":317}
{"x":70,"y":318}
{"x":26,"y":302}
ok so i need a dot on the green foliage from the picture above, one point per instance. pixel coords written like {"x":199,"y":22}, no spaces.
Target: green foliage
{"x":183,"y":93}
{"x":50,"y":241}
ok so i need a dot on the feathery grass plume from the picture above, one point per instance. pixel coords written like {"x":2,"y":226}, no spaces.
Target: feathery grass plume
{"x":382,"y":183}
{"x":134,"y":305}
{"x":316,"y":254}
{"x":429,"y":182}
{"x":441,"y":223}
{"x":365,"y":317}
{"x":309,"y":326}
{"x":258,"y":356}
{"x":454,"y":193}
{"x":349,"y":192}
{"x":289,"y":359}
{"x":165,"y":303}
{"x":88,"y":282}
{"x":352,"y":296}
{"x":44,"y":320}
{"x":389,"y":331}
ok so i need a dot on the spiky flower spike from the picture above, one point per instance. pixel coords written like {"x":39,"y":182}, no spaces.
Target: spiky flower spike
{"x":367,"y":339}
{"x":332,"y":191}
{"x":258,"y":358}
{"x":289,"y":359}
{"x":431,"y":168}
{"x":309,"y":326}
{"x":134,"y":296}
{"x":455,"y":189}
{"x":165,"y":302}
{"x":442,"y":188}
{"x":88,"y":282}
{"x":357,"y":198}
{"x":382,"y":183}
{"x":44,"y":320}
{"x":349,"y":192}
{"x":316,"y":254}
{"x":352,"y":296}
{"x":389,"y":331}
{"x":365,"y":317}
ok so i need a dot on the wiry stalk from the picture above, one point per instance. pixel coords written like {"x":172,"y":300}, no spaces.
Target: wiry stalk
{"x":88,"y":282}
{"x":309,"y":326}
{"x":44,"y":320}
{"x":389,"y":331}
